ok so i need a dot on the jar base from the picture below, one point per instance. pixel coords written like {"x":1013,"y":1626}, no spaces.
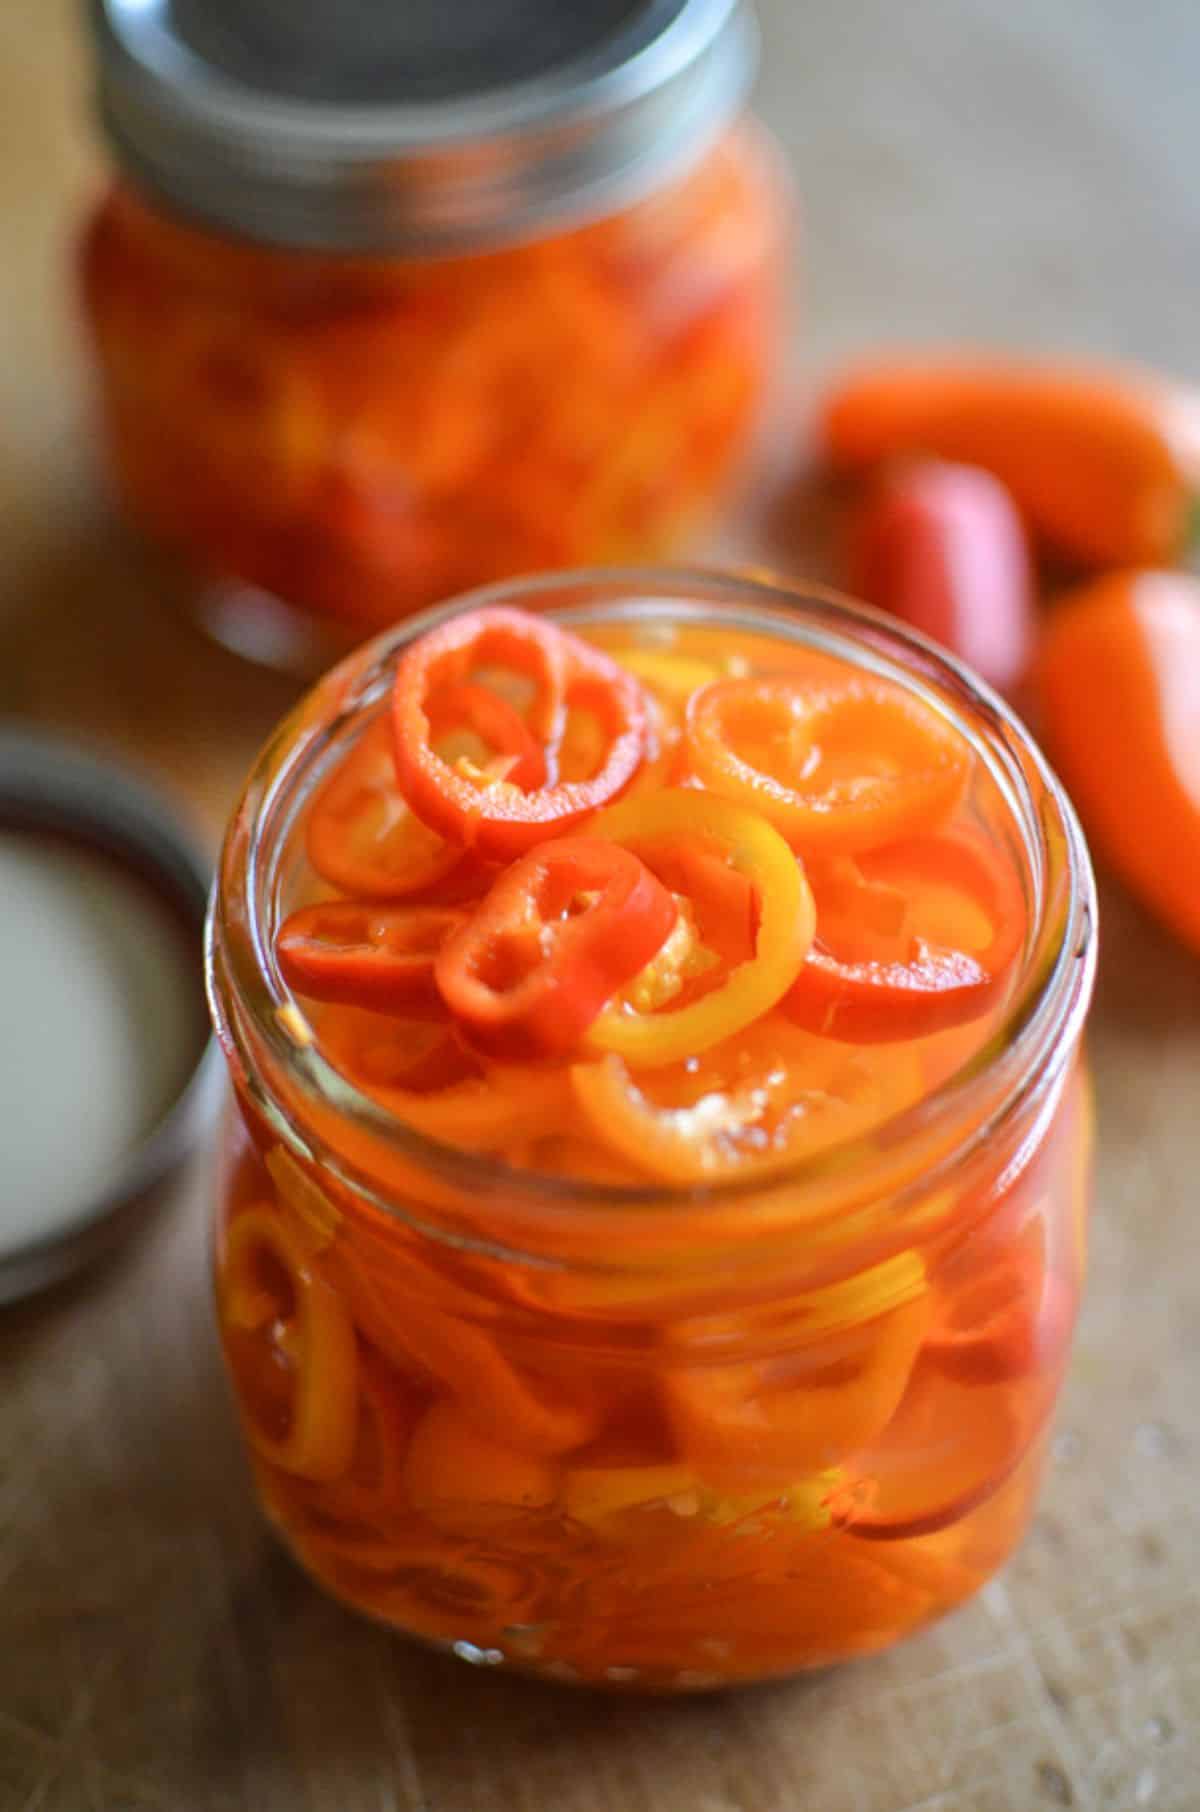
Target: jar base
{"x":922,"y":1578}
{"x":517,"y":1659}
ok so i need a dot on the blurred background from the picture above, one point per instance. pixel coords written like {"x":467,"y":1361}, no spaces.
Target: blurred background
{"x":997,"y":172}
{"x":1013,"y":175}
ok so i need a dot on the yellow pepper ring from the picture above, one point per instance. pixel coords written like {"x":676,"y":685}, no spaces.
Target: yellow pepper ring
{"x":787,"y":923}
{"x":319,"y":1441}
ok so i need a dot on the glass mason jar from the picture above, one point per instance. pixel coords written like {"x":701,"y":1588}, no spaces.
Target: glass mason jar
{"x":655,"y":1436}
{"x":409,"y":335}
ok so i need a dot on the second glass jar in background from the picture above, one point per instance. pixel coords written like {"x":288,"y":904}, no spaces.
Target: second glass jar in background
{"x":493,"y":308}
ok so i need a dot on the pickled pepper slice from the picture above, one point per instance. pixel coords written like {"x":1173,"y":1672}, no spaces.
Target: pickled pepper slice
{"x":557,"y":936}
{"x":508,"y":748}
{"x":364,"y":955}
{"x":771,"y":1095}
{"x":423,"y":1075}
{"x":451,"y":1352}
{"x":764,"y":1423}
{"x":291,"y":1345}
{"x":785,"y":924}
{"x":360,"y":835}
{"x":499,"y":817}
{"x":1005,"y":1319}
{"x":372,"y":1486}
{"x":453,"y":1469}
{"x":835,"y":765}
{"x":912,"y":939}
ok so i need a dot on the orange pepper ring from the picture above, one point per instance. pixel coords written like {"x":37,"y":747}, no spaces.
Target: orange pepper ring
{"x":845,"y":815}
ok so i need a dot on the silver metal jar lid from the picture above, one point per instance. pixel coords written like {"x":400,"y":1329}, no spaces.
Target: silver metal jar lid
{"x":56,"y":796}
{"x":413,"y":125}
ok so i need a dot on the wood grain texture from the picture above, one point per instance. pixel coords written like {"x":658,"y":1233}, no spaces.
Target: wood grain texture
{"x":975,"y":169}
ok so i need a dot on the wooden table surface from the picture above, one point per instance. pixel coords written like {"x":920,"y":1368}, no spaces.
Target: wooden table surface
{"x":999,"y":169}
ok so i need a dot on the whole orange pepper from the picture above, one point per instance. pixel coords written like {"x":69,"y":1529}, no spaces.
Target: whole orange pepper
{"x":1118,"y":677}
{"x":1103,"y":463}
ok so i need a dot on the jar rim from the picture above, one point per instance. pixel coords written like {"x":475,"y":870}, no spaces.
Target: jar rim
{"x":490,"y":165}
{"x":1021,"y":1060}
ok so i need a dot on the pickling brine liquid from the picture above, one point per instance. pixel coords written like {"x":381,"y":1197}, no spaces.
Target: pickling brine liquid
{"x":702,"y":1332}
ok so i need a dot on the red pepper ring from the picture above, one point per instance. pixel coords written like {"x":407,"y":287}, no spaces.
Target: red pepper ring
{"x":558,"y":935}
{"x":496,"y":817}
{"x":466,"y":706}
{"x":945,"y":961}
{"x":361,"y":955}
{"x":512,"y":640}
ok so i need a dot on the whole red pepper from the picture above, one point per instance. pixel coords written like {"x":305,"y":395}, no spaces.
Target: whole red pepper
{"x":943,"y":547}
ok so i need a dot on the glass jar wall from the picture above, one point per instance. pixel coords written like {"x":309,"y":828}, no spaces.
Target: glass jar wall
{"x":611,"y":1429}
